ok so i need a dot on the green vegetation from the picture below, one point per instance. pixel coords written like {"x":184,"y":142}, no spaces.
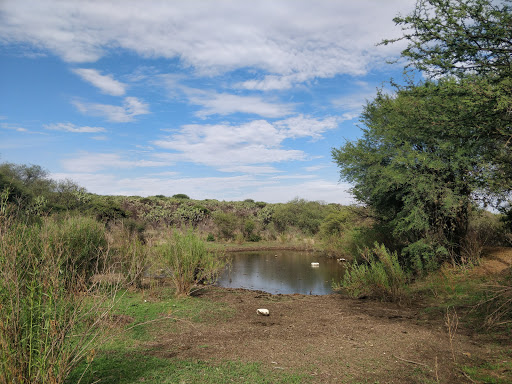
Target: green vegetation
{"x":143,"y":318}
{"x":412,"y":169}
{"x":189,"y":262}
{"x":118,"y":368}
{"x":431,"y":156}
{"x":436,"y":151}
{"x":46,"y":324}
{"x":380,"y":276}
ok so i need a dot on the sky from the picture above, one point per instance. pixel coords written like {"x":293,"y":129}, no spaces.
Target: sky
{"x":227,"y":100}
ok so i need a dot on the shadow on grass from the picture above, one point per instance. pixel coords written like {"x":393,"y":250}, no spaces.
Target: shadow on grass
{"x":124,"y":368}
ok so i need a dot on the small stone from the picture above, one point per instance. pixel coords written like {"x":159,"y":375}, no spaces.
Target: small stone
{"x":263,"y":312}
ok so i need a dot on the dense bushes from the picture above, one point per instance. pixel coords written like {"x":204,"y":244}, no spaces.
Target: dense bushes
{"x":304,"y":215}
{"x":82,"y":241}
{"x":380,"y":275}
{"x":189,"y":262}
{"x":46,"y":327}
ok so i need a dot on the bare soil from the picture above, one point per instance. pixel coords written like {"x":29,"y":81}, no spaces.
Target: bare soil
{"x":333,"y":339}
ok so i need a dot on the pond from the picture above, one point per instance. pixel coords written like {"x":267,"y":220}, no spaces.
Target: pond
{"x":282,"y":272}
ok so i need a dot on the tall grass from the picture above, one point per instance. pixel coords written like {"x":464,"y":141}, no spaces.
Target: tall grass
{"x":379,"y":276}
{"x":189,"y":262}
{"x":48,"y":319}
{"x":130,"y":251}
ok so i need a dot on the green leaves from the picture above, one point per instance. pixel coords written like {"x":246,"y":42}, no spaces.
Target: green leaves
{"x":458,"y":37}
{"x":427,"y":153}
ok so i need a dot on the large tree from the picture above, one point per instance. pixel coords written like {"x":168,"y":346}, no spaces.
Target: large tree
{"x":425,"y":157}
{"x":430,"y":151}
{"x":461,"y":38}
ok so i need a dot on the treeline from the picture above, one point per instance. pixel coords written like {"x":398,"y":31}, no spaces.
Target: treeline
{"x":28,"y":190}
{"x":341,"y":230}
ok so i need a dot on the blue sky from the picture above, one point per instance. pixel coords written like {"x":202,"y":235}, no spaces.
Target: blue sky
{"x":226,"y":100}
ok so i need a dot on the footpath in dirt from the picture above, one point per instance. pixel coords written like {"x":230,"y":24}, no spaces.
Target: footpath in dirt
{"x":330,"y":338}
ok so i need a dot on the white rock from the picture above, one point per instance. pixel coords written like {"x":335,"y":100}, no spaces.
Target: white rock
{"x":315,"y":264}
{"x":263,"y":312}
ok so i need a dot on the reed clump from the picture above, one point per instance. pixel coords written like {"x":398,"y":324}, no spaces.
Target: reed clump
{"x":48,"y":319}
{"x":379,"y":275}
{"x":189,"y":262}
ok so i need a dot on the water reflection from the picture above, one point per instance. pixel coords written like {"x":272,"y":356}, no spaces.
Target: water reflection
{"x":282,"y":272}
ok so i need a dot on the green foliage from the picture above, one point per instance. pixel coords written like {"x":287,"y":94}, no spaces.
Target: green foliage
{"x":181,"y":196}
{"x":132,"y":252}
{"x":422,"y":158}
{"x":189,"y":262}
{"x":106,"y":209}
{"x":248,"y":228}
{"x":457,"y":37}
{"x":226,"y":223}
{"x":82,"y":242}
{"x":299,"y":213}
{"x":380,"y":276}
{"x":185,"y":214}
{"x":210,"y":237}
{"x":336,"y":223}
{"x":46,"y":328}
{"x":265,"y":214}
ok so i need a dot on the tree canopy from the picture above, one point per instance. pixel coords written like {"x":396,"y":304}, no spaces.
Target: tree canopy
{"x":433,"y":150}
{"x":459,"y":36}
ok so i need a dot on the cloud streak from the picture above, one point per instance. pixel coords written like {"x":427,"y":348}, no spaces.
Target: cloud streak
{"x":106,"y":83}
{"x":94,"y":162}
{"x":68,"y":127}
{"x":214,"y":103}
{"x":131,"y":108}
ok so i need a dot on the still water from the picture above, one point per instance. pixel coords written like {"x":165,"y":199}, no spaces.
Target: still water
{"x":282,"y":272}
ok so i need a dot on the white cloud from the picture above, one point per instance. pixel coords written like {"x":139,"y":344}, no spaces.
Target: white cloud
{"x":255,"y":170}
{"x":17,"y":128}
{"x":314,"y":168}
{"x":12,"y":127}
{"x":68,"y":127}
{"x":94,"y":162}
{"x":131,"y":107}
{"x":289,"y":41}
{"x":315,"y":190}
{"x":106,"y":83}
{"x":100,"y":138}
{"x":226,"y":104}
{"x":293,"y":177}
{"x":301,"y":126}
{"x":255,"y":142}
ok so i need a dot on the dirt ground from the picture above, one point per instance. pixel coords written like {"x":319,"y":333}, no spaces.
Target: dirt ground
{"x":331,"y":338}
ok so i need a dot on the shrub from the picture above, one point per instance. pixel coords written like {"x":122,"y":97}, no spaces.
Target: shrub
{"x":302,"y":214}
{"x":248,"y":230}
{"x":82,"y":241}
{"x":380,"y":276}
{"x":181,"y":196}
{"x":46,"y":329}
{"x":226,"y":224}
{"x":189,"y":262}
{"x":132,"y":251}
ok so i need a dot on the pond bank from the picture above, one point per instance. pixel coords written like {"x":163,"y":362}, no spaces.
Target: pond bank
{"x":307,"y":338}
